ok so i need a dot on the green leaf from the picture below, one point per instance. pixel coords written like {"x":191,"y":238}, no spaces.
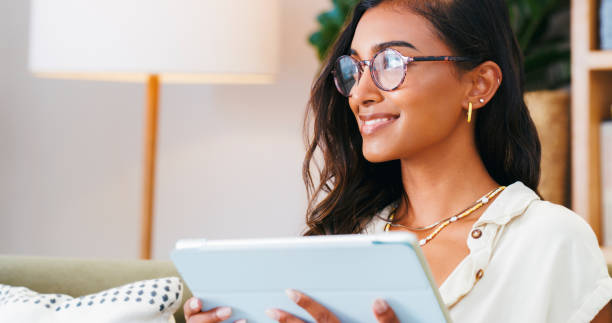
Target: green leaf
{"x":331,"y":23}
{"x":545,"y":57}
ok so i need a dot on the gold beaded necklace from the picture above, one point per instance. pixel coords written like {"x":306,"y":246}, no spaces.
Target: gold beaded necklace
{"x":444,"y":223}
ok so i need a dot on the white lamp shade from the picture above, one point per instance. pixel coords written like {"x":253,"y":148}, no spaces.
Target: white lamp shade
{"x":180,"y":40}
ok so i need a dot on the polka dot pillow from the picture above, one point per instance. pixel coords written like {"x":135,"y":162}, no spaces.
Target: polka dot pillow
{"x":144,"y":301}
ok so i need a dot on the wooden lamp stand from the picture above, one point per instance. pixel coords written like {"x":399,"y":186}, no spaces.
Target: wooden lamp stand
{"x":150,"y":137}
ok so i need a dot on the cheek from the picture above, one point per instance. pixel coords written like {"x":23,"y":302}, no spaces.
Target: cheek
{"x":431,"y":96}
{"x":430,"y":109}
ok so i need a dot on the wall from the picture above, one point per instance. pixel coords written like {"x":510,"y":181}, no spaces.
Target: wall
{"x":229,"y":157}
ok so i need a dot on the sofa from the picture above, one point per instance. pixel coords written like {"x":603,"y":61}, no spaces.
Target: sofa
{"x":78,"y":277}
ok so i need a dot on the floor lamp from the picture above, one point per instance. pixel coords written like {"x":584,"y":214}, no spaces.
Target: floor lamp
{"x":157,"y":42}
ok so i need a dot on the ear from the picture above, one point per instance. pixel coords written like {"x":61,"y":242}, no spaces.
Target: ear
{"x":482,"y":83}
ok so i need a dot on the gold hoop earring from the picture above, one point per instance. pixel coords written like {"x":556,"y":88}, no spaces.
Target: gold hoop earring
{"x":469,"y":112}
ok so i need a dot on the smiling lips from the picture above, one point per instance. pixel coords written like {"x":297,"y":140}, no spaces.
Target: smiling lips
{"x":374,"y":122}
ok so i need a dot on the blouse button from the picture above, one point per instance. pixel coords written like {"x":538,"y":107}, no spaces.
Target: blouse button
{"x":479,"y":274}
{"x":476,"y":234}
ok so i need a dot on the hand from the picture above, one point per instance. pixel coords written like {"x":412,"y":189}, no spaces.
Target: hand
{"x":193,"y":314}
{"x":382,"y":311}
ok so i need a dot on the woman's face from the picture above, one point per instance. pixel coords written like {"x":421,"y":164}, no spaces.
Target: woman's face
{"x":427,"y":107}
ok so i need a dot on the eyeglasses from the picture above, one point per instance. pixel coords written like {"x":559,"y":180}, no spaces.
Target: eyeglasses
{"x":387,"y":68}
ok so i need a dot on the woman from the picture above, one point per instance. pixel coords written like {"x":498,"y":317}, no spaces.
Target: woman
{"x":420,"y":119}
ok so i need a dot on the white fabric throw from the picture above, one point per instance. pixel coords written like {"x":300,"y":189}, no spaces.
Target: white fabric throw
{"x":150,"y":301}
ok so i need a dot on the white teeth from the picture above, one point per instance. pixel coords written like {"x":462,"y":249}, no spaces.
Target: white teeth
{"x":375,"y":121}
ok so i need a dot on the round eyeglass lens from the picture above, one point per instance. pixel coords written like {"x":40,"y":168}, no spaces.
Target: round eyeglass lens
{"x":388,"y":69}
{"x":346,"y":74}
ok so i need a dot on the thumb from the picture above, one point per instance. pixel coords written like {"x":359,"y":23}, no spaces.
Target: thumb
{"x":383,"y":312}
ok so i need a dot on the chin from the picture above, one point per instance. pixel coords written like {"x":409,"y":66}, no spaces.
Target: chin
{"x":378,"y":156}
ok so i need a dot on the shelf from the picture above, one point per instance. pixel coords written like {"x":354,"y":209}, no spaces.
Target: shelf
{"x":599,"y":60}
{"x":607,"y":252}
{"x":591,"y":100}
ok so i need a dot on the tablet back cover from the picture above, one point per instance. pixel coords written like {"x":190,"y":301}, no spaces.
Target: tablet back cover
{"x":343,"y":273}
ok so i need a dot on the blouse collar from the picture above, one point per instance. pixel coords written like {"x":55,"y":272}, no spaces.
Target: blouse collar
{"x":510,"y":203}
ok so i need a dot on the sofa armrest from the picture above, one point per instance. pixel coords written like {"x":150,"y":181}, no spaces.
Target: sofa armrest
{"x":77,"y":277}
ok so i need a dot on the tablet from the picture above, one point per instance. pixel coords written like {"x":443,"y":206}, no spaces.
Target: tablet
{"x":345,"y":273}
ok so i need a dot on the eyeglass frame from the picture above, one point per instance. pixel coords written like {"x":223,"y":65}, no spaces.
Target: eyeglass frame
{"x":405,"y":59}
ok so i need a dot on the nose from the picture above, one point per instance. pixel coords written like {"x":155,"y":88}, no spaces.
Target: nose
{"x":365,"y":92}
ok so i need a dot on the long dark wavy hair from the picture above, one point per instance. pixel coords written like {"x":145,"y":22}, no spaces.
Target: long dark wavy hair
{"x":351,"y":190}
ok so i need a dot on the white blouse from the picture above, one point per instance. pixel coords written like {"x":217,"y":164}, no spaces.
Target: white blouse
{"x":537,"y":262}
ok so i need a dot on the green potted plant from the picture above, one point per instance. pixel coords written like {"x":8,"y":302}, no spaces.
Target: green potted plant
{"x":542,"y":30}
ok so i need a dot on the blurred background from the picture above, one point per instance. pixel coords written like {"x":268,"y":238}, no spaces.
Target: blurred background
{"x":228,"y":161}
{"x":229,"y":156}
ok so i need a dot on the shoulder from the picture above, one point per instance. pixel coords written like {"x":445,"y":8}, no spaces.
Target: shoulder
{"x":570,"y":265}
{"x":557,"y":239}
{"x":556,"y":218}
{"x":545,"y":233}
{"x":522,"y":212}
{"x":556,"y":223}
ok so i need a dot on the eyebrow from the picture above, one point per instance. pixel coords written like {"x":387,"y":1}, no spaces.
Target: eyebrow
{"x":393,"y":43}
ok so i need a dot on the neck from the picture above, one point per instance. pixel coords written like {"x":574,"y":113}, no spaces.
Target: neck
{"x":443,"y":180}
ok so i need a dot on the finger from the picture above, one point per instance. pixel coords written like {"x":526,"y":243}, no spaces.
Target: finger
{"x":193,"y":314}
{"x":316,"y":310}
{"x":383,"y":312}
{"x":214,"y":315}
{"x":282,"y":316}
{"x":241,"y":321}
{"x":192,"y":306}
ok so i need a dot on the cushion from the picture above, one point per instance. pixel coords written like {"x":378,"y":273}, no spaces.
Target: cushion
{"x":153,"y":301}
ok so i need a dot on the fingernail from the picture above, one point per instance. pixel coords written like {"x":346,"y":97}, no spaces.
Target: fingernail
{"x":194,"y":304}
{"x":293,"y":295}
{"x":273,"y":314}
{"x":241,"y":321}
{"x":380,"y":306}
{"x":223,"y":312}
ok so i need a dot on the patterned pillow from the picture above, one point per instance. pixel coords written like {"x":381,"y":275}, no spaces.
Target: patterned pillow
{"x":152,"y":301}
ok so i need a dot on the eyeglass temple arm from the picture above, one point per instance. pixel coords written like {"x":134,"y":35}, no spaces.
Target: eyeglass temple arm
{"x":439,"y":58}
